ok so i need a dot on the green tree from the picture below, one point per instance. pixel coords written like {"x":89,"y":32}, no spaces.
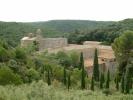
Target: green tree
{"x":122,"y":84}
{"x":127,"y":79}
{"x":4,"y":54}
{"x":68,"y":81}
{"x":48,"y":78}
{"x":81,"y":64}
{"x":117,"y":82}
{"x":64,"y":77}
{"x":83,"y":78}
{"x":96,"y":67}
{"x":108,"y":80}
{"x":101,"y":80}
{"x":123,"y":48}
{"x":92,"y":83}
{"x":8,"y":77}
{"x":33,"y":74}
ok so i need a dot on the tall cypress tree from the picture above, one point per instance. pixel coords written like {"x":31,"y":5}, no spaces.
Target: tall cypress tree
{"x":101,"y":80}
{"x":117,"y":83}
{"x":127,"y":80}
{"x":108,"y":80}
{"x":68,"y":81}
{"x":122,"y":84}
{"x":64,"y":77}
{"x":92,"y":83}
{"x":83,"y":78}
{"x":96,"y":67}
{"x":81,"y":64}
{"x":48,"y":80}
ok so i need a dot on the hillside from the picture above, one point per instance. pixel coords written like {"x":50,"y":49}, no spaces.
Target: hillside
{"x":71,"y":25}
{"x":14,"y":31}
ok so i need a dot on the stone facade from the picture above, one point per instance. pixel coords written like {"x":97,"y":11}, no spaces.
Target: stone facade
{"x":43,"y":43}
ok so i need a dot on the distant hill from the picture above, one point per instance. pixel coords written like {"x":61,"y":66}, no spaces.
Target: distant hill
{"x":14,"y":31}
{"x":71,"y":25}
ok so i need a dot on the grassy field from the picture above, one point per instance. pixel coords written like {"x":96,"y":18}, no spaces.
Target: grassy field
{"x":41,"y":91}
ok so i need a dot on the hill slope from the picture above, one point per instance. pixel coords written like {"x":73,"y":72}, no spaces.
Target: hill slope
{"x":14,"y":31}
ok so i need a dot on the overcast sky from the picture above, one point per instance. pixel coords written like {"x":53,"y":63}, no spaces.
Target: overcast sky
{"x":43,"y":10}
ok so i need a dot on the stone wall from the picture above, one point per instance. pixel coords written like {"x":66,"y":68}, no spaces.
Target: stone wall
{"x":52,"y":43}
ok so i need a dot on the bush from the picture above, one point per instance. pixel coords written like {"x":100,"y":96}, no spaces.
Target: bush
{"x":8,"y":77}
{"x":107,"y":92}
{"x":33,"y":74}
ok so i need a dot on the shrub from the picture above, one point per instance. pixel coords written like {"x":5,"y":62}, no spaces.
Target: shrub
{"x":8,"y":77}
{"x":33,"y":74}
{"x":107,"y":92}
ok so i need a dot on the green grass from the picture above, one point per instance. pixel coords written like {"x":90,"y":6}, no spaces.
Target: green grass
{"x":41,"y":91}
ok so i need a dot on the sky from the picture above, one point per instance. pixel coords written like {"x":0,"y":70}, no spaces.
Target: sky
{"x":44,"y":10}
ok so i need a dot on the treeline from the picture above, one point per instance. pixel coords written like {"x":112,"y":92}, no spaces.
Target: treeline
{"x":76,"y":31}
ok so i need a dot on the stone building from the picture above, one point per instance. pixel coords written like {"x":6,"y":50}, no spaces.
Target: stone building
{"x":43,"y":43}
{"x":106,"y":56}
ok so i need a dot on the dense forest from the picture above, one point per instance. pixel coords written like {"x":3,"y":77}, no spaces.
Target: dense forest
{"x":81,"y":30}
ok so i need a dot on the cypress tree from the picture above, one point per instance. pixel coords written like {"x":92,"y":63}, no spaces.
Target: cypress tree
{"x":81,"y":64}
{"x":83,"y":78}
{"x":127,"y":80}
{"x":117,"y":83}
{"x":108,"y":80}
{"x":69,"y":82}
{"x":101,"y":80}
{"x":92,"y":83}
{"x":64,"y":77}
{"x":48,"y":80}
{"x":96,"y":67}
{"x":122,"y":84}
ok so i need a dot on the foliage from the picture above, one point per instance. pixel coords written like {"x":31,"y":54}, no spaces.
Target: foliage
{"x":101,"y":80}
{"x":83,"y":77}
{"x":123,"y":47}
{"x":96,"y":67}
{"x":107,"y":92}
{"x":68,"y":81}
{"x":8,"y":77}
{"x":48,"y":78}
{"x":122,"y":84}
{"x":81,"y":64}
{"x":92,"y":83}
{"x":117,"y":83}
{"x":127,"y":79}
{"x":41,"y":91}
{"x":107,"y":85}
{"x":64,"y":76}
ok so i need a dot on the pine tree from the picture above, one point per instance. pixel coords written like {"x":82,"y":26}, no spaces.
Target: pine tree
{"x":64,"y":78}
{"x":96,"y":67}
{"x":81,"y":64}
{"x":48,"y":80}
{"x":69,"y":82}
{"x":108,"y":80}
{"x":122,"y":84}
{"x":92,"y":83}
{"x":101,"y":80}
